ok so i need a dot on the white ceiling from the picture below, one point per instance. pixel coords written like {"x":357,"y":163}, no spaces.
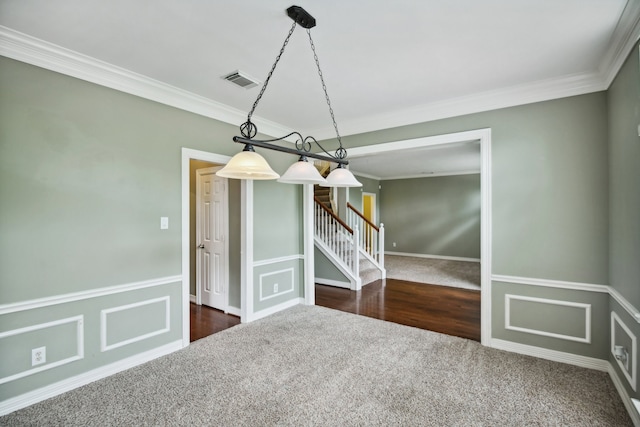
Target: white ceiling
{"x":386,"y":63}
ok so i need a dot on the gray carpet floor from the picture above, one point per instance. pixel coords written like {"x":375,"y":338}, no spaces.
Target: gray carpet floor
{"x":459,"y":274}
{"x":313,"y":366}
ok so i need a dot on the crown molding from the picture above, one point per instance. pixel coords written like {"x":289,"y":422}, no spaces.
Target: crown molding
{"x":34,"y":51}
{"x":624,"y":38}
{"x":22,"y":47}
{"x":544,"y":90}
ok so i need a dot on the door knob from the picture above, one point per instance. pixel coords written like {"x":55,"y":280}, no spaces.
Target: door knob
{"x":201,"y":246}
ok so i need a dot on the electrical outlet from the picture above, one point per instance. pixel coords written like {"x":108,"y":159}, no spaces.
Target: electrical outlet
{"x":394,"y":244}
{"x":164,"y":223}
{"x":275,"y":288}
{"x":38,"y":356}
{"x":622,"y":355}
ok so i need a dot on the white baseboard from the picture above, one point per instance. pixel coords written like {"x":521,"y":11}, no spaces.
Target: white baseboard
{"x":35,"y":396}
{"x":577,"y":360}
{"x":234,"y":311}
{"x":448,"y":258}
{"x":272,"y":310}
{"x":193,"y":299}
{"x":628,"y":402}
{"x":330,"y":282}
{"x":553,"y":355}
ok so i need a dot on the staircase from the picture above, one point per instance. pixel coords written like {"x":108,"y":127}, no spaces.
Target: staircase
{"x":355,"y":255}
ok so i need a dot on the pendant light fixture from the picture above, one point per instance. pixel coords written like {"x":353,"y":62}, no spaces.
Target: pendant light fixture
{"x":250,"y":165}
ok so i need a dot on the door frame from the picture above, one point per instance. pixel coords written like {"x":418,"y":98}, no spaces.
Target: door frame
{"x":374,"y":212}
{"x":484,"y":137}
{"x":186,"y":155}
{"x":225,"y":214}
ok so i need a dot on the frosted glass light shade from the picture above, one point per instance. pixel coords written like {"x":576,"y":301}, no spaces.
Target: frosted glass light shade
{"x":248,"y":165}
{"x":341,"y":177}
{"x":302,"y":172}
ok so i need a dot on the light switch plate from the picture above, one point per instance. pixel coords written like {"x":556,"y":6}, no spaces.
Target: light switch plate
{"x":164,"y":222}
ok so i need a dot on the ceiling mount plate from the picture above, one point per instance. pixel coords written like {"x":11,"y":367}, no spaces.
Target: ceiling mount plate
{"x":301,"y":17}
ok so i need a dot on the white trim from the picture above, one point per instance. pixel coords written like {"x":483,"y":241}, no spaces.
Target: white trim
{"x":425,"y":141}
{"x":92,"y":293}
{"x":235,"y":311}
{"x":629,"y":403}
{"x":553,"y":355}
{"x":331,"y":282}
{"x":104,"y":322}
{"x":633,"y":312}
{"x":25,"y":48}
{"x":276,"y":294}
{"x":308,"y":237}
{"x":79,"y":320}
{"x":374,"y":219}
{"x":587,"y":287}
{"x":433,"y":175}
{"x":43,"y":393}
{"x":275,"y":309}
{"x":622,"y":41}
{"x":192,"y":298}
{"x":486,"y":235}
{"x":363,"y":175}
{"x":528,"y":93}
{"x":587,"y":320}
{"x":634,"y":350}
{"x":450,"y":258}
{"x":277,"y":260}
{"x":551,"y":283}
{"x":355,"y":281}
{"x":186,"y":155}
{"x":246,"y":248}
{"x":484,"y":136}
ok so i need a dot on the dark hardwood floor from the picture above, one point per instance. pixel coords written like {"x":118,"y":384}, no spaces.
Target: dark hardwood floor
{"x":206,"y":321}
{"x":451,"y":311}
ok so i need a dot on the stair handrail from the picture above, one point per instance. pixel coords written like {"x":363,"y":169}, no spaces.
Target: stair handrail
{"x":366,"y":220}
{"x":334,"y":216}
{"x":371,"y":238}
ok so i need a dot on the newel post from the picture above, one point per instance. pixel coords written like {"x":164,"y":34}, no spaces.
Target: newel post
{"x":356,"y":253}
{"x":381,"y":246}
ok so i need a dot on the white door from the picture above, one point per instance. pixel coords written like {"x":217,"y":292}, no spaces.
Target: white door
{"x":212,"y":229}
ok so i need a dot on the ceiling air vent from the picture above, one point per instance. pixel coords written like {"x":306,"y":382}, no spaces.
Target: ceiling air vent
{"x":241,"y":79}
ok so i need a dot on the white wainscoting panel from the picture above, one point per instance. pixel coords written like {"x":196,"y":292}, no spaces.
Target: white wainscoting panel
{"x":587,"y":317}
{"x":631,"y":377}
{"x":78,"y":320}
{"x":104,"y":322}
{"x":22,"y":401}
{"x":288,"y":286}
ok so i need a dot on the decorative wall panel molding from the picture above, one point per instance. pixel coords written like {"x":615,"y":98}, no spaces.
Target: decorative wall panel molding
{"x":586,"y":338}
{"x":104,"y":322}
{"x":79,"y":347}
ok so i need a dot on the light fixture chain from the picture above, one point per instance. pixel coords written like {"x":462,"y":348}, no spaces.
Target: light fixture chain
{"x":273,"y":68}
{"x":326,"y":94}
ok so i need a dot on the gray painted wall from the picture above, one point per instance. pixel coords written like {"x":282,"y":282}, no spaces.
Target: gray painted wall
{"x":86,"y":172}
{"x":624,"y":183}
{"x":549,"y":202}
{"x":550,"y":182}
{"x":325,"y":269}
{"x":624,"y":204}
{"x":433,"y":216}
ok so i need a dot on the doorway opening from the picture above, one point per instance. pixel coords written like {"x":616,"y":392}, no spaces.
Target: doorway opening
{"x":198,"y":320}
{"x":483,"y":137}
